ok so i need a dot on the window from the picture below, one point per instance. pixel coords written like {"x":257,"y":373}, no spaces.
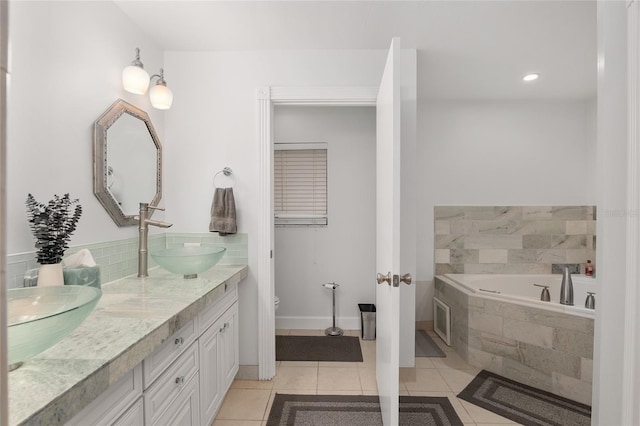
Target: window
{"x":300,"y":183}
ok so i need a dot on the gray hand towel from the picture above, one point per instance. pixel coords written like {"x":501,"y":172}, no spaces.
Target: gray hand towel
{"x":223,"y":212}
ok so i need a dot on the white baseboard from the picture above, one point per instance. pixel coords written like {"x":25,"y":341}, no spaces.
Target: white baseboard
{"x":316,"y":323}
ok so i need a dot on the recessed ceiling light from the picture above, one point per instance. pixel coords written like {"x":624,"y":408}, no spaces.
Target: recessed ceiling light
{"x":530,"y":77}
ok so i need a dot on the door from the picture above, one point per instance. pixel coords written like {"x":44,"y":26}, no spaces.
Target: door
{"x":388,"y":236}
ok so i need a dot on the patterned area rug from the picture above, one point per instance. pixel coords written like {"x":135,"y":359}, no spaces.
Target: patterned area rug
{"x":354,"y":410}
{"x":524,"y":404}
{"x":318,"y":348}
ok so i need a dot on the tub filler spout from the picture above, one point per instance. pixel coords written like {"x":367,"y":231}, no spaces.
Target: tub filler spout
{"x":566,"y":289}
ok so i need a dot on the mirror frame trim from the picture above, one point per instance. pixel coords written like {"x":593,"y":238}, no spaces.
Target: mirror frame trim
{"x":100,"y":166}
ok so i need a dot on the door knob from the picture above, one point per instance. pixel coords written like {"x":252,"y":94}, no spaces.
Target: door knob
{"x":384,"y":278}
{"x":406,"y":278}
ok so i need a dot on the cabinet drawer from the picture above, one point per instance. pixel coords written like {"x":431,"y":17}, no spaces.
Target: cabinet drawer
{"x":184,"y":410}
{"x":160,"y":359}
{"x":211,"y":313}
{"x":106,"y":408}
{"x":170,"y":383}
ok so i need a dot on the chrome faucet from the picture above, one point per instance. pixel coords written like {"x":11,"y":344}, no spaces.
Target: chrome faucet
{"x":143,"y":230}
{"x":566,"y":289}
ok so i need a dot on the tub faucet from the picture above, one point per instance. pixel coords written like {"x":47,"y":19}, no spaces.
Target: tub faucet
{"x":566,"y":289}
{"x":143,"y":231}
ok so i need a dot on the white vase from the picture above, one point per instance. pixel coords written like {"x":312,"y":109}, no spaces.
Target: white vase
{"x":50,"y":275}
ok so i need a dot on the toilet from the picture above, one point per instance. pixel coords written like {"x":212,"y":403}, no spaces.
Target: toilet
{"x":276,"y":302}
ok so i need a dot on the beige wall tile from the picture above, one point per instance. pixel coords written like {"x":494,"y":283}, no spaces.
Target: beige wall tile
{"x":537,"y":213}
{"x":576,"y":227}
{"x":571,"y":388}
{"x":586,"y":370}
{"x":442,"y":227}
{"x":535,"y":238}
{"x":493,"y":256}
{"x":573,"y":342}
{"x":493,"y":241}
{"x":528,"y":332}
{"x":443,"y":255}
{"x":485,"y":322}
{"x":448,"y":212}
{"x":547,"y":360}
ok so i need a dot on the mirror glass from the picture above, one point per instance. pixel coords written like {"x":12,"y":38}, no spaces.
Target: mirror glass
{"x":127,"y":162}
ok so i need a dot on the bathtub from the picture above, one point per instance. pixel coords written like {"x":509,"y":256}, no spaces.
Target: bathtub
{"x":520,"y":289}
{"x":498,"y":323}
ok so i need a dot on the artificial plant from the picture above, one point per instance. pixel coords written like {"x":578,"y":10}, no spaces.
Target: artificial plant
{"x":52,"y":225}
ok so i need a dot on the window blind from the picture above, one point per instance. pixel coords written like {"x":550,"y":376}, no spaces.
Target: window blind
{"x":300,"y":184}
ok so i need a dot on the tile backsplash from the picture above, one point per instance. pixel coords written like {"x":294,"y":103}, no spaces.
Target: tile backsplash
{"x":118,"y":259}
{"x":513,"y":239}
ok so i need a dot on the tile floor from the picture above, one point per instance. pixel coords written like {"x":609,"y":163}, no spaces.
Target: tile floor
{"x":248,"y":402}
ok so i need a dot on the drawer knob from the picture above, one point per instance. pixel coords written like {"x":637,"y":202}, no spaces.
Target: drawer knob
{"x":179,"y":341}
{"x":180,"y":380}
{"x":226,"y":324}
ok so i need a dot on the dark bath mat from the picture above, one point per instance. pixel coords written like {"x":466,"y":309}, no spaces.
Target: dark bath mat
{"x":355,"y":410}
{"x":426,"y":347}
{"x":524,"y":404}
{"x":318,"y":348}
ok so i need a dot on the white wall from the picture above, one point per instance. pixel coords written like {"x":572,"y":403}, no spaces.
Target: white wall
{"x":66,"y":63}
{"x":500,"y":153}
{"x":213,"y":124}
{"x":344,"y":251}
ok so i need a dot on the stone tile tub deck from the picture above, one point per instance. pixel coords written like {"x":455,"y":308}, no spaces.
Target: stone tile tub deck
{"x":512,"y":333}
{"x":133,"y":318}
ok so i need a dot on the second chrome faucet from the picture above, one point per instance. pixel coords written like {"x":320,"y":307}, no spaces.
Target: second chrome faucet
{"x":143,"y":231}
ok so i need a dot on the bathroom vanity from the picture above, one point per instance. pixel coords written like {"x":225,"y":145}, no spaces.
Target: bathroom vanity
{"x":156,"y":351}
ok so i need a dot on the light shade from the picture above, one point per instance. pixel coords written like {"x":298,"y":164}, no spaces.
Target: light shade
{"x":531,"y":77}
{"x":161,"y":96}
{"x":135,"y":80}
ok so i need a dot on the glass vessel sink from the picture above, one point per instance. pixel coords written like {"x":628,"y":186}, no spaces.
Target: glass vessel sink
{"x":40,"y":317}
{"x":188,"y":261}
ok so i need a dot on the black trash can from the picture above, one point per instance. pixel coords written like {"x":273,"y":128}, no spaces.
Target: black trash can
{"x":367,"y":321}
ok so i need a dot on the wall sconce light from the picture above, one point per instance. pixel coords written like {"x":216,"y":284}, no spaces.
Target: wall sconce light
{"x":136,"y":80}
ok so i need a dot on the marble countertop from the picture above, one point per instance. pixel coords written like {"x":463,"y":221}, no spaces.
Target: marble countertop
{"x":134,"y":316}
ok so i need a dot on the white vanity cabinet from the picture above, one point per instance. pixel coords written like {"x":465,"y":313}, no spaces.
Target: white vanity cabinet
{"x":183,"y":382}
{"x":190,"y":390}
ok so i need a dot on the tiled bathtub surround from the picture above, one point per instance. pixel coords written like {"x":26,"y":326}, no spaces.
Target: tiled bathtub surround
{"x":552,"y":351}
{"x":118,"y":259}
{"x":512,"y":239}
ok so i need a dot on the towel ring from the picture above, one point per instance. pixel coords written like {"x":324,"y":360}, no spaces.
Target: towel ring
{"x":228,"y":173}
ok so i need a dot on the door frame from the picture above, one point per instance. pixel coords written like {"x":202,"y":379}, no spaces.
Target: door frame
{"x":267,"y":98}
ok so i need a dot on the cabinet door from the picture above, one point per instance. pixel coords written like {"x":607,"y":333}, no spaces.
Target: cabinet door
{"x":210,"y":377}
{"x":185,"y":409}
{"x":134,"y":416}
{"x":229,"y":342}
